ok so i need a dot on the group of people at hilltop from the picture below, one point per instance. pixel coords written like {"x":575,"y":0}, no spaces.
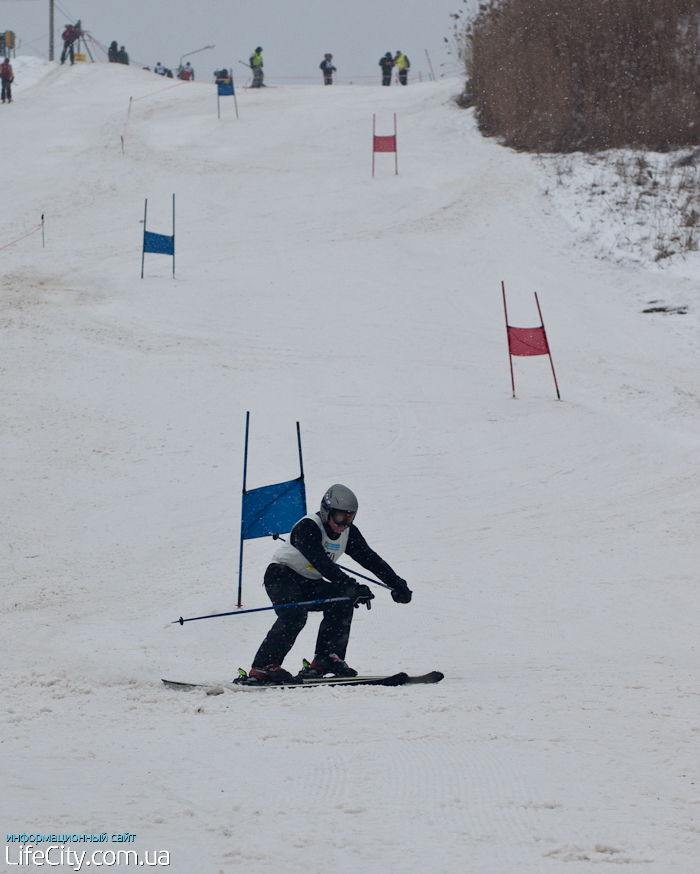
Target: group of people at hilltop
{"x":117,"y":55}
{"x":387,"y":63}
{"x":402,"y":64}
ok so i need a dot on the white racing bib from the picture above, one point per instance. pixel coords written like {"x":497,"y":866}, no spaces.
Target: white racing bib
{"x":291,"y":557}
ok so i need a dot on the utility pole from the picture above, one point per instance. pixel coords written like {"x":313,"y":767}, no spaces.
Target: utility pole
{"x":51,"y":30}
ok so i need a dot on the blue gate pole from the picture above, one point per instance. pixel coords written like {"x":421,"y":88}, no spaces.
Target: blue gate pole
{"x":245,"y":472}
{"x":143,"y":251}
{"x":173,"y":235}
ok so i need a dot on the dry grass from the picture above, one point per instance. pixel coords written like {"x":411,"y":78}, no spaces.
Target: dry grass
{"x":567,"y":75}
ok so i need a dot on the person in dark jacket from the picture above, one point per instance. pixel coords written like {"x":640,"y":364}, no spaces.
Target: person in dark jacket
{"x":328,"y":69}
{"x":304,"y":569}
{"x":8,"y":78}
{"x":112,"y":52}
{"x":69,"y":36}
{"x":122,"y":56}
{"x":386,"y":63}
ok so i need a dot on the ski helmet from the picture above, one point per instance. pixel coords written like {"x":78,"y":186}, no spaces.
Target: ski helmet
{"x":339,"y":498}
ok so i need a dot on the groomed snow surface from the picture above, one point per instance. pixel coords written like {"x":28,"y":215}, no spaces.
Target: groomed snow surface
{"x":552,"y":546}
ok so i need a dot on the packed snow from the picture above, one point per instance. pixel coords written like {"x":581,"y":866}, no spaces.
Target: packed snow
{"x":552,"y":546}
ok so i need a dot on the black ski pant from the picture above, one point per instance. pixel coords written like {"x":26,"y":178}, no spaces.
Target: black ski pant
{"x":285,"y":586}
{"x":6,"y":89}
{"x":258,"y":76}
{"x":68,"y":50}
{"x":403,"y":77}
{"x":386,"y":78}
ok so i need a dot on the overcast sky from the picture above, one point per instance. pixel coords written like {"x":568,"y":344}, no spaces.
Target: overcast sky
{"x":294,"y":34}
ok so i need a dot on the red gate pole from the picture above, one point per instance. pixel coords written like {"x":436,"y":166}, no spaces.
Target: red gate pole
{"x":510,"y":357}
{"x":548,"y":351}
{"x":374,"y":128}
{"x":396,"y":150}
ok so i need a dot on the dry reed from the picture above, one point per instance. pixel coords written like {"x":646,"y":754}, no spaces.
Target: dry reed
{"x":567,"y":75}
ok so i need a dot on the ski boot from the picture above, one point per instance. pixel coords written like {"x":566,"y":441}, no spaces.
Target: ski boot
{"x":270,"y":675}
{"x":323,"y":666}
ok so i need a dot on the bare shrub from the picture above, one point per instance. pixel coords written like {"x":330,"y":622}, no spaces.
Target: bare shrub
{"x":567,"y":75}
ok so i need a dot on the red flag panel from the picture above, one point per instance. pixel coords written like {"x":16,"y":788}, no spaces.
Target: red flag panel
{"x":385,"y":144}
{"x":527,"y":341}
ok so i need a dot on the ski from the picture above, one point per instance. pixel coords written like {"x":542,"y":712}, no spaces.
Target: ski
{"x":400,"y":679}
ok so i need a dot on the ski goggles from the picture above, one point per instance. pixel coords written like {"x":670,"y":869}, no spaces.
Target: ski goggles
{"x":342,"y":518}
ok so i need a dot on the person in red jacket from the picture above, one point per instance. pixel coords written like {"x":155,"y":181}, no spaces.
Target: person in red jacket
{"x":8,"y":78}
{"x":69,"y":36}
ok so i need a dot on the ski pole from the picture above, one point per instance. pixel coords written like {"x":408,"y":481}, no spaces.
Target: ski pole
{"x":349,"y":570}
{"x":182,"y":621}
{"x":245,"y":65}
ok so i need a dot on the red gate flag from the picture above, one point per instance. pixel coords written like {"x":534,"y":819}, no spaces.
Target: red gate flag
{"x":384,"y":144}
{"x":527,"y":341}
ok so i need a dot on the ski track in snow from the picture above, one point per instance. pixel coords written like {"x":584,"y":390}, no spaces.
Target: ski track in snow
{"x":552,"y":547}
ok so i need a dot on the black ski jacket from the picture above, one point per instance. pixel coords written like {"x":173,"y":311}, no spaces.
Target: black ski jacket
{"x":306,"y":537}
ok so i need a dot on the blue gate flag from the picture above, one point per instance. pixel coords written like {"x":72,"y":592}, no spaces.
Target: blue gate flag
{"x":225,"y":89}
{"x":272,"y":509}
{"x":161,"y":244}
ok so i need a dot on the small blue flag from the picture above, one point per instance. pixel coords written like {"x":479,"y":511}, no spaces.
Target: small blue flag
{"x":158,"y":243}
{"x":272,"y":509}
{"x":225,"y":89}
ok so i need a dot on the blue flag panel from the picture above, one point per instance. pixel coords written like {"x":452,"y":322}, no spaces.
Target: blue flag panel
{"x":225,"y":89}
{"x":272,"y":509}
{"x":158,"y":243}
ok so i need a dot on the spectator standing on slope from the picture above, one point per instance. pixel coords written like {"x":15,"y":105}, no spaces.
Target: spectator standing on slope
{"x":328,"y":69}
{"x":256,"y":65}
{"x":122,"y":56}
{"x":386,"y":63}
{"x":304,"y":569}
{"x":8,"y":78}
{"x":112,"y":52}
{"x":402,"y":65}
{"x":69,"y":36}
{"x":186,"y":73}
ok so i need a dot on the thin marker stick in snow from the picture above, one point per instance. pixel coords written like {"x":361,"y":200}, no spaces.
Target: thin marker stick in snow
{"x":430,"y":65}
{"x":182,"y":621}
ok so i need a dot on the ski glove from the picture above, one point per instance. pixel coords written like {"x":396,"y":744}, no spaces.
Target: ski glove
{"x":359,"y":594}
{"x":401,"y":593}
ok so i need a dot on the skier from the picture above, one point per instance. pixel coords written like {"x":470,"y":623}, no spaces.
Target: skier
{"x":402,"y":65}
{"x":386,"y":63}
{"x":328,"y":69}
{"x":256,"y":64}
{"x":69,"y":36}
{"x":8,"y":78}
{"x":303,"y":569}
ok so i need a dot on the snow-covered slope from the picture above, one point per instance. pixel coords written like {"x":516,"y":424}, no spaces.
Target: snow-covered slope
{"x":552,"y":546}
